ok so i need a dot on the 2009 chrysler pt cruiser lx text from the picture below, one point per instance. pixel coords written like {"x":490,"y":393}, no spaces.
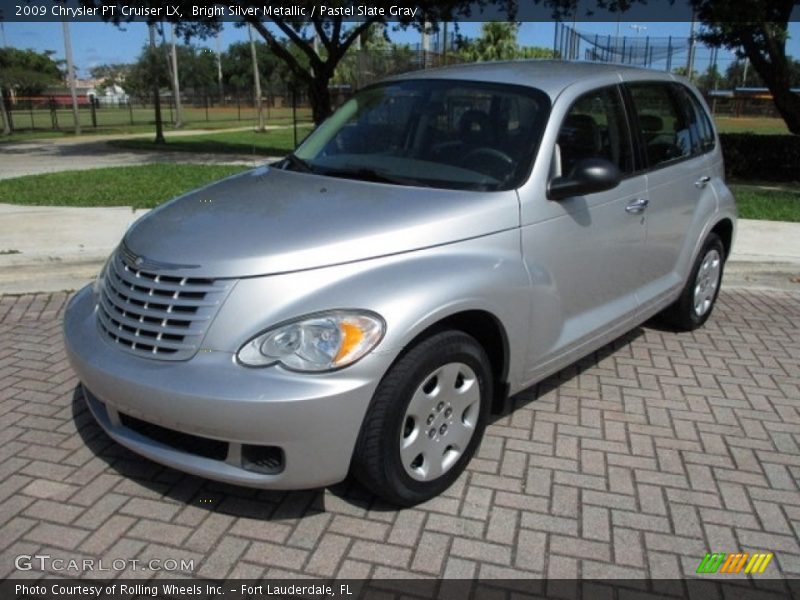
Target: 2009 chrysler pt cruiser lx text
{"x":444,"y":239}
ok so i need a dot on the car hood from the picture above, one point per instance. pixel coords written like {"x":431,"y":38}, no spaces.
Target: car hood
{"x":268,"y":221}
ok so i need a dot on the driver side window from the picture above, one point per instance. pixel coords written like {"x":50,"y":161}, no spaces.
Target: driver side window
{"x":595,"y":127}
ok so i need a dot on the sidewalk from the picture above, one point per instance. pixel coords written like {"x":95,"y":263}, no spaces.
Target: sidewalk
{"x":49,"y":249}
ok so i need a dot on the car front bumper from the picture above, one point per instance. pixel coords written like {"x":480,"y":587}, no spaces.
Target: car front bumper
{"x":313,"y":419}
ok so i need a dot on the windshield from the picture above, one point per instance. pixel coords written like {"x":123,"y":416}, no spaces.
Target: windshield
{"x":437,"y":133}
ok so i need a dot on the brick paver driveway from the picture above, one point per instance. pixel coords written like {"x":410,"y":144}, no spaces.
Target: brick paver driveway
{"x":633,"y":463}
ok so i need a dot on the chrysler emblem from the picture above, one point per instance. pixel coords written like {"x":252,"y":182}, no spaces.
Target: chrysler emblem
{"x":138,"y":261}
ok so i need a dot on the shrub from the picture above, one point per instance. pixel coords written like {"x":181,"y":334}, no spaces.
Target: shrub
{"x":756,"y":157}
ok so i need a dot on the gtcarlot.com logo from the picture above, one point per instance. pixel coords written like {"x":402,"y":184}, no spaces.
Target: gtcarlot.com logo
{"x":46,"y":562}
{"x":733,"y":563}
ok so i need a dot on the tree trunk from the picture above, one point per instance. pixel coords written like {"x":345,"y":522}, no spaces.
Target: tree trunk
{"x":775,"y":74}
{"x":8,"y":127}
{"x":788,"y":105}
{"x":786,"y":101}
{"x":320,"y":97}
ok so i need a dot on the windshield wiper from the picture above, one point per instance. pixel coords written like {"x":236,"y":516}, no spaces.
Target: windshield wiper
{"x":298,"y":164}
{"x":367,"y":174}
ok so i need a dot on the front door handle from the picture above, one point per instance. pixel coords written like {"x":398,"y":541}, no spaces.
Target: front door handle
{"x":702,"y":182}
{"x":637,"y":206}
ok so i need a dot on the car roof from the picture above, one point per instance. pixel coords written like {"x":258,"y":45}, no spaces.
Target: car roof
{"x":550,"y":76}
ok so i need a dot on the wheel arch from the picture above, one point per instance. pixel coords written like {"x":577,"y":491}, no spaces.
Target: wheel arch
{"x":490,"y":333}
{"x":724,"y":229}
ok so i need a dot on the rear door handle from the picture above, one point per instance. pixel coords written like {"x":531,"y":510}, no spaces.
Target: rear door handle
{"x":637,"y":206}
{"x":702,"y":182}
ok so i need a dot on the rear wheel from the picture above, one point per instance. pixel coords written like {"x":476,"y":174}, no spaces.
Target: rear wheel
{"x":426,"y":420}
{"x":694,"y":306}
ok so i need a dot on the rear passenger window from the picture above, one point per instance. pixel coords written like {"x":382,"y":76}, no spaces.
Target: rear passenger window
{"x":700,"y":128}
{"x":663,"y":125}
{"x":595,"y":127}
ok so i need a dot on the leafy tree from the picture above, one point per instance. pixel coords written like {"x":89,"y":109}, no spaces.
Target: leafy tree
{"x":28,"y":72}
{"x":314,"y":65}
{"x":735,"y":76}
{"x":25,"y":72}
{"x":535,"y":52}
{"x":237,"y":65}
{"x":710,"y":79}
{"x":197,"y":68}
{"x":150,"y":69}
{"x":757,"y":29}
{"x":377,"y":58}
{"x":498,"y":41}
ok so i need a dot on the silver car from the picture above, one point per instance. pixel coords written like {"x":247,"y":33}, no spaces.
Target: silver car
{"x":443,"y":240}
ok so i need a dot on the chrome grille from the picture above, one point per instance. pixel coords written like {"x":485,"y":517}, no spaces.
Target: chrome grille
{"x":156,"y":315}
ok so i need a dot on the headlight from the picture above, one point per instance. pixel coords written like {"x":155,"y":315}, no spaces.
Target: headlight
{"x":320,"y":342}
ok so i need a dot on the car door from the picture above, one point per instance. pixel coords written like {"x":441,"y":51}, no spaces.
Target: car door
{"x":583,"y":252}
{"x":669,"y":132}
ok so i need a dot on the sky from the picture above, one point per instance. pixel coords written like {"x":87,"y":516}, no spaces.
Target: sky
{"x":102,"y":43}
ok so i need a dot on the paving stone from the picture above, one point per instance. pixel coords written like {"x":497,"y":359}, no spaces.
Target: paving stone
{"x":655,"y":450}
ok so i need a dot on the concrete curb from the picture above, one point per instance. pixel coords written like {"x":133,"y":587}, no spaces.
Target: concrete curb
{"x":51,"y":249}
{"x":69,"y":275}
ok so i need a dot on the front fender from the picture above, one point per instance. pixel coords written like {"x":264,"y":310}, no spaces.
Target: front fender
{"x":411,"y":291}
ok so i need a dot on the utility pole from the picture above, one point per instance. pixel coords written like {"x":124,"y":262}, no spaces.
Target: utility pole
{"x":256,"y":79}
{"x":156,"y":96}
{"x":690,"y":57}
{"x":219,"y":70}
{"x":176,"y":86}
{"x":71,"y":77}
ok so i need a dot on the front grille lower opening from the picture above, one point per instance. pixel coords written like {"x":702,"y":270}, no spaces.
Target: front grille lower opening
{"x":268,"y":460}
{"x":185,"y":442}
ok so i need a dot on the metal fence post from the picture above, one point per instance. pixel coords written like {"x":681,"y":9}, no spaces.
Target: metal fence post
{"x":669,"y":54}
{"x":53,"y":112}
{"x":294,"y":113}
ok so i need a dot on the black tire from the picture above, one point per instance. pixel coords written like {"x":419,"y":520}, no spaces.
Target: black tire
{"x":682,"y":314}
{"x":377,"y":460}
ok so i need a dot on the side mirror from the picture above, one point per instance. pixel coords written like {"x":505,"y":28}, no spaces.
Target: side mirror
{"x":588,"y":176}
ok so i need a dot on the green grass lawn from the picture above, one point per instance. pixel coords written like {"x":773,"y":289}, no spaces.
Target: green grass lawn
{"x":143,"y":186}
{"x":755,"y":202}
{"x":764,"y":125}
{"x":120,"y":121}
{"x":274,"y":142}
{"x":146,"y":186}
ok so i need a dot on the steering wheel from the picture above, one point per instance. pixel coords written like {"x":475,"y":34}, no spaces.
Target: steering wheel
{"x":488,"y":161}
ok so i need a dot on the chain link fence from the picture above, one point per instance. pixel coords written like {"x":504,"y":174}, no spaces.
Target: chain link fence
{"x":213,"y":108}
{"x":685,"y":55}
{"x":234,"y":107}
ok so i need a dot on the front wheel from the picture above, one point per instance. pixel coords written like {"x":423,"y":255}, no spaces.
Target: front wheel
{"x":426,"y":420}
{"x":693,"y":308}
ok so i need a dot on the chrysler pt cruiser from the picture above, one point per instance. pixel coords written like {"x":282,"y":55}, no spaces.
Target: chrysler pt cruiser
{"x":446,"y":238}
